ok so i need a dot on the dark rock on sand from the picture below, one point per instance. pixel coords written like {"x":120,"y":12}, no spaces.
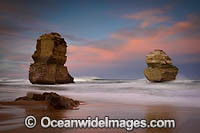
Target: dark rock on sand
{"x":160,"y":67}
{"x":59,"y":102}
{"x":49,"y":59}
{"x":53,"y":99}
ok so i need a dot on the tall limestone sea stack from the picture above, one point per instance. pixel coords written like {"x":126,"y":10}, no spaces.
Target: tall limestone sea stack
{"x":160,"y":67}
{"x":49,"y":59}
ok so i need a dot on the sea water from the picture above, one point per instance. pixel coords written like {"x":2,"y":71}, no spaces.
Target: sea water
{"x":181,"y":92}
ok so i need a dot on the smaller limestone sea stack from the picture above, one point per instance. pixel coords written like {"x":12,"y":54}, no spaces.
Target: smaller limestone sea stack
{"x":160,"y":67}
{"x":49,"y":59}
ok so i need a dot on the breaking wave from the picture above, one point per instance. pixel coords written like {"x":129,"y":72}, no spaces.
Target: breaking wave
{"x":181,"y":92}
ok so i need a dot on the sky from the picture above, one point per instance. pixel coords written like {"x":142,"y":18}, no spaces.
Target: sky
{"x":105,"y":38}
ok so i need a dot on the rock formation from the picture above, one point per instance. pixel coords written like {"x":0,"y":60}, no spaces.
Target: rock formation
{"x":53,"y":99}
{"x":160,"y":67}
{"x":49,"y":59}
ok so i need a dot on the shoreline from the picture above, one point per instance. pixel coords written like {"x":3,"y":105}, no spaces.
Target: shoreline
{"x":15,"y":113}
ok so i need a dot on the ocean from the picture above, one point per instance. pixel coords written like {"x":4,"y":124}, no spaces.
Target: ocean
{"x":181,"y":92}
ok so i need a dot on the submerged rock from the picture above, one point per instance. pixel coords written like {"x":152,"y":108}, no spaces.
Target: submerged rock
{"x":53,"y":99}
{"x":49,"y":59}
{"x":160,"y":67}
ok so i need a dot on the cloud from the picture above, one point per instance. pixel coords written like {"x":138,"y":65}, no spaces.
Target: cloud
{"x":22,"y":18}
{"x":14,"y":16}
{"x":122,"y":49}
{"x":149,"y":17}
{"x":175,"y":39}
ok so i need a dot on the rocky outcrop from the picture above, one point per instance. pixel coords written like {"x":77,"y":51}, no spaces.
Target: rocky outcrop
{"x":49,"y":59}
{"x":53,"y":99}
{"x":160,"y":67}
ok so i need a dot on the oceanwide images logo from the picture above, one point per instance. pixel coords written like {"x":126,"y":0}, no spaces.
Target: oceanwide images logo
{"x":128,"y":124}
{"x":30,"y":121}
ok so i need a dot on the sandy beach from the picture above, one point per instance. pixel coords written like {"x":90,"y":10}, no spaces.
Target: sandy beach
{"x":12,"y":115}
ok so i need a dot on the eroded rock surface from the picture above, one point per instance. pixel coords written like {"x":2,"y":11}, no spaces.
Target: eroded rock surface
{"x":49,"y":59}
{"x":53,"y":99}
{"x":160,"y":67}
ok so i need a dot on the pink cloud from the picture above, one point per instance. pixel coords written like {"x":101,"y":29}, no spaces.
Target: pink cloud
{"x":133,"y":44}
{"x":149,"y":17}
{"x":85,"y":57}
{"x":169,"y":38}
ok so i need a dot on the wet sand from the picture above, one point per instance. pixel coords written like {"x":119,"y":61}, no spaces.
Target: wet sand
{"x":12,"y":115}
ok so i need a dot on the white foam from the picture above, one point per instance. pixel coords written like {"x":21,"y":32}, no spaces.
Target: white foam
{"x":85,"y":79}
{"x":181,"y":92}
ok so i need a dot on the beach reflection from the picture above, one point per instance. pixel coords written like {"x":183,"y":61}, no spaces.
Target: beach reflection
{"x":160,"y":113}
{"x":13,"y":115}
{"x":40,"y":111}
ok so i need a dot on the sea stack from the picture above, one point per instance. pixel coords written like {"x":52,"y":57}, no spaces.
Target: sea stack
{"x":160,"y":67}
{"x":49,"y":59}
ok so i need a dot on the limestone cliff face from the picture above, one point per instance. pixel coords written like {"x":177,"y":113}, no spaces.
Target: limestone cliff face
{"x":160,"y":67}
{"x":49,"y":59}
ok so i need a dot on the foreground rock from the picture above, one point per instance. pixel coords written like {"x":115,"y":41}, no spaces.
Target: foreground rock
{"x":160,"y":67}
{"x":53,"y":99}
{"x":49,"y":59}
